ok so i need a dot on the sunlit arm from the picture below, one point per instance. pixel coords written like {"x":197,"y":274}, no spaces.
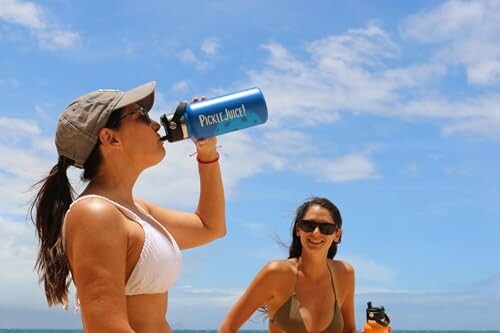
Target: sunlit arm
{"x":208,"y":222}
{"x":256,"y":295}
{"x":96,"y":245}
{"x":347,"y":307}
{"x":211,"y":205}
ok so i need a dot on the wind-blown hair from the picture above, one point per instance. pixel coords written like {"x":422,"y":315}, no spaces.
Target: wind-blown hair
{"x":295,"y":248}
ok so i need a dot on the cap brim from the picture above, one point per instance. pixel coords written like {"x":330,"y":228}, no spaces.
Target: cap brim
{"x":143,"y":95}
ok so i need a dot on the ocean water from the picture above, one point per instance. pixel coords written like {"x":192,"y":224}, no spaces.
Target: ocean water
{"x":80,"y":331}
{"x":246,"y":331}
{"x":174,"y":331}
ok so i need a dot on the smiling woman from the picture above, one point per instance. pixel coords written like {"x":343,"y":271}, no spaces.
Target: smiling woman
{"x":308,"y":292}
{"x":122,"y":253}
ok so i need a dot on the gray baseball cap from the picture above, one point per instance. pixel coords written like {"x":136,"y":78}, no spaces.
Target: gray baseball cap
{"x":79,"y":124}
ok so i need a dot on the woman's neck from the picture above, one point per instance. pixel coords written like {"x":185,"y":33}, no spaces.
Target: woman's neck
{"x":117,"y":190}
{"x":313,"y":267}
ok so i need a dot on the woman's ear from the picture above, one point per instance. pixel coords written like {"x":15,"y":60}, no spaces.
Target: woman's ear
{"x":108,"y":138}
{"x":338,"y":236}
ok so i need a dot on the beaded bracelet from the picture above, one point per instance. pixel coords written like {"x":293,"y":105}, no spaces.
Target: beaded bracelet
{"x":208,"y":162}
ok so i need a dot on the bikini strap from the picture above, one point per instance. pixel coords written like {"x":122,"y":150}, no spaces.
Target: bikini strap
{"x":296,"y":276}
{"x":333,"y":284}
{"x":160,"y":227}
{"x":127,"y":211}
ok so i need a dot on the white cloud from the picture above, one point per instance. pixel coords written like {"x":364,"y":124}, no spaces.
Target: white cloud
{"x":371,"y":272}
{"x":355,"y":166}
{"x":343,"y":73}
{"x":282,"y":60}
{"x":202,"y":59}
{"x":190,"y":295}
{"x":57,"y":39}
{"x":484,"y":72}
{"x":450,"y":19}
{"x":128,"y":46}
{"x":36,"y":20}
{"x":356,"y":47}
{"x":19,"y":283}
{"x":348,"y":73}
{"x":240,"y":158}
{"x":42,"y":112}
{"x":478,"y":115}
{"x":12,"y":83}
{"x":261,"y":230}
{"x":180,"y":87}
{"x":289,"y":142}
{"x":189,"y":57}
{"x":210,"y":46}
{"x":467,"y":32}
{"x":14,"y":129}
{"x":18,"y":172}
{"x":22,"y":163}
{"x":412,"y":169}
{"x":480,"y":126}
{"x":24,"y":13}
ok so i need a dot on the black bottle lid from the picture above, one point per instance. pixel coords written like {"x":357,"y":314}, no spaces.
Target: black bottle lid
{"x":377,"y":314}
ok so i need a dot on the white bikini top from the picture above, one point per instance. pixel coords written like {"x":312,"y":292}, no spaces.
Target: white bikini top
{"x":160,"y":261}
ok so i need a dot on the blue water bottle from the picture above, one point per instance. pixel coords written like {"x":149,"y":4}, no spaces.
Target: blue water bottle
{"x":215,"y":116}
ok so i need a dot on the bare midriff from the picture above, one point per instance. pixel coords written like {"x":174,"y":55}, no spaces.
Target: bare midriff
{"x":147,"y":313}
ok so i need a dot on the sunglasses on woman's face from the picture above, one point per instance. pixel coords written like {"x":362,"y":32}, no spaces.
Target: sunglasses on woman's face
{"x":324,"y":227}
{"x":144,"y":117}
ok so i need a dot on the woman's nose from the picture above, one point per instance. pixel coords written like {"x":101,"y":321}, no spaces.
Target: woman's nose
{"x":156,"y":125}
{"x":316,"y":230}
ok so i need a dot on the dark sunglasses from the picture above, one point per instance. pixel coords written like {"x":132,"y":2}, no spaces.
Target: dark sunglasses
{"x":144,"y":115}
{"x":324,"y":227}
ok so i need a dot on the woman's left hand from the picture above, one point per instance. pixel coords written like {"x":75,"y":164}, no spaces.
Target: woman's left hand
{"x":205,"y":148}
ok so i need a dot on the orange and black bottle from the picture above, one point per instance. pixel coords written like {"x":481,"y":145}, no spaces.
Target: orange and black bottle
{"x":377,"y":321}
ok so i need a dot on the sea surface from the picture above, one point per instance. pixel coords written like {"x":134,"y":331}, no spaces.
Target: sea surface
{"x":246,"y":331}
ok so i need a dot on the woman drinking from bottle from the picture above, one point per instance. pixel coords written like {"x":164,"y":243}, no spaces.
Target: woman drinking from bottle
{"x":121,"y":252}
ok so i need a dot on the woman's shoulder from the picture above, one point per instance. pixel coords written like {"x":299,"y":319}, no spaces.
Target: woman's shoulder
{"x":280,"y":267}
{"x":94,"y":223}
{"x":91,"y":204}
{"x":277,"y":275}
{"x":93,"y":210}
{"x":341,"y":266}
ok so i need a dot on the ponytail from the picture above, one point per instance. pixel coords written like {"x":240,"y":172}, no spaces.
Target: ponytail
{"x":47,"y":213}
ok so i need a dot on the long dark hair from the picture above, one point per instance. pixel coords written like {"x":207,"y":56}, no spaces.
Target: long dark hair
{"x":295,"y":249}
{"x":47,"y":211}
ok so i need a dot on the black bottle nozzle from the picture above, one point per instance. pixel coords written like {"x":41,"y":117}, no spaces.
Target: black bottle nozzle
{"x":175,"y":128}
{"x":164,"y":122}
{"x":377,"y":314}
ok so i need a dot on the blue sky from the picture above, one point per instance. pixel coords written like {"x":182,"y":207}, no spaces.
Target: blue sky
{"x":390,"y":109}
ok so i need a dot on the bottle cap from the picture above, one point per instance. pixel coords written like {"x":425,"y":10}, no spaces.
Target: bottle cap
{"x":174,"y":124}
{"x":377,"y":314}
